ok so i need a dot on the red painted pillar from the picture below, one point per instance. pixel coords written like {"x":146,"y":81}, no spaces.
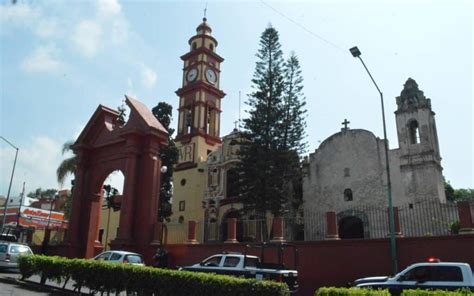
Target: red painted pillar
{"x":127,"y":208}
{"x":331,"y":226}
{"x":396,"y":220}
{"x":192,"y":232}
{"x":277,"y":230}
{"x":231,"y":231}
{"x":465,"y":218}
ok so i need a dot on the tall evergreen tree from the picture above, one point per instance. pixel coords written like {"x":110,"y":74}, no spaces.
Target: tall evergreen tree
{"x":293,"y":129}
{"x":294,"y":122}
{"x":169,"y":157}
{"x":270,"y":171}
{"x":261,"y":175}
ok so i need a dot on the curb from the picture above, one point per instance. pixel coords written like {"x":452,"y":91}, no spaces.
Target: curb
{"x":30,"y":285}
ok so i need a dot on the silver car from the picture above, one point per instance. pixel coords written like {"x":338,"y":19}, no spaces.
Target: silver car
{"x":121,"y":257}
{"x":9,"y":253}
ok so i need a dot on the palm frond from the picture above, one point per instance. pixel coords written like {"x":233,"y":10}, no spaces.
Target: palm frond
{"x":67,"y":166}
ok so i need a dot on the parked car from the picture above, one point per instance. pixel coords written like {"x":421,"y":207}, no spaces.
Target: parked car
{"x":250,"y":266}
{"x":121,"y":257}
{"x":425,"y":275}
{"x":9,"y":253}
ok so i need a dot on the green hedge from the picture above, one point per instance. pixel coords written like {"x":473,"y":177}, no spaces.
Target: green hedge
{"x":418,"y":292}
{"x":103,"y":276}
{"x":332,"y":291}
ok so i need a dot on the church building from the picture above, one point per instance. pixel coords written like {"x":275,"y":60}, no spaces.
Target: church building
{"x":347,"y":173}
{"x":198,"y":140}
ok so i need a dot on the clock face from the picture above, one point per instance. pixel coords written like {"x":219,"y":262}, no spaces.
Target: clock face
{"x":211,"y":76}
{"x":192,"y":74}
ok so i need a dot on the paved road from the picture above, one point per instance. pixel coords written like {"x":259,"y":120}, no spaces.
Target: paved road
{"x":9,"y":288}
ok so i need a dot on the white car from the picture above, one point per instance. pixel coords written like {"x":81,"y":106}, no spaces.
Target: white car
{"x":121,"y":257}
{"x":9,"y":253}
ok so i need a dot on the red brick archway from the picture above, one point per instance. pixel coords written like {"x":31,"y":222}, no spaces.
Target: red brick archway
{"x":104,"y":146}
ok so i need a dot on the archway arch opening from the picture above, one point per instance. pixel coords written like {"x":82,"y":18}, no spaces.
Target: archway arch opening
{"x":351,"y":227}
{"x":112,"y":190}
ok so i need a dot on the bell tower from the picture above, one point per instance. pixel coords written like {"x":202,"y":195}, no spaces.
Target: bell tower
{"x":420,"y":160}
{"x":199,"y":98}
{"x":198,"y":123}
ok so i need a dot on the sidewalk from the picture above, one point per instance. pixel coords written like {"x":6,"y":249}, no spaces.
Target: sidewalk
{"x":33,"y":283}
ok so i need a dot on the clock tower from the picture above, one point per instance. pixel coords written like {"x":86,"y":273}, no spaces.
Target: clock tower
{"x":198,"y":123}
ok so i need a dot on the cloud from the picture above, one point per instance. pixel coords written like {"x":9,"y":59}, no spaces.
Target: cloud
{"x":148,"y":77}
{"x":36,"y":165}
{"x":43,"y":59}
{"x":47,"y":27}
{"x":106,"y":8}
{"x":86,"y":37}
{"x":119,"y":31}
{"x":18,"y":14}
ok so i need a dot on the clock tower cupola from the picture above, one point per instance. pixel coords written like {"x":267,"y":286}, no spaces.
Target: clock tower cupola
{"x":200,"y":96}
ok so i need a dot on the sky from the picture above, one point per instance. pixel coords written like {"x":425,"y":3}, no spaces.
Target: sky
{"x":61,"y":59}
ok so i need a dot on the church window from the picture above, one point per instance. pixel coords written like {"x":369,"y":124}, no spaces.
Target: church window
{"x":232,"y":188}
{"x":414,"y":132}
{"x":183,"y":182}
{"x":181,"y":219}
{"x":347,"y":172}
{"x":194,"y":45}
{"x":211,"y":47}
{"x":347,"y":194}
{"x":182,"y":205}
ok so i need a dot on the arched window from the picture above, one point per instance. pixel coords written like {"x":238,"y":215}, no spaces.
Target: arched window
{"x":414,"y":132}
{"x":347,"y":194}
{"x":194,"y":45}
{"x":211,"y":47}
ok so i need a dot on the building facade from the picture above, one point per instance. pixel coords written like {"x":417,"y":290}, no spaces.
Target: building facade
{"x":347,"y":173}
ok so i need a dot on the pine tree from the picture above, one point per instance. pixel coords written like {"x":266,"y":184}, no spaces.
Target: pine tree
{"x":261,"y":176}
{"x":270,"y":169}
{"x":169,"y":157}
{"x":293,"y":129}
{"x":294,"y":103}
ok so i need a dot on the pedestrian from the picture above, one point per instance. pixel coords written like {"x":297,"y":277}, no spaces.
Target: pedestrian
{"x":160,"y":258}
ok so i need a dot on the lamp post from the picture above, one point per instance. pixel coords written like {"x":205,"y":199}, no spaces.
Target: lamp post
{"x":9,"y":186}
{"x":393,"y":248}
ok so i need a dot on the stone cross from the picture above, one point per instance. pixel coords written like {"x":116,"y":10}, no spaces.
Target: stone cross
{"x":345,"y":123}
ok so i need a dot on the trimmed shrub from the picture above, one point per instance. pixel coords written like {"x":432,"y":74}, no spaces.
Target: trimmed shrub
{"x":100,"y":276}
{"x":419,"y":292}
{"x":333,"y":291}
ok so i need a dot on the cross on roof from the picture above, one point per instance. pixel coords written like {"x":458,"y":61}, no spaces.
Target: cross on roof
{"x":236,"y":123}
{"x":205,"y":10}
{"x":345,"y":123}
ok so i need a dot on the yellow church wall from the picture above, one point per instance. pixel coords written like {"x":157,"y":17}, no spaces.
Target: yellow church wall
{"x":108,"y":233}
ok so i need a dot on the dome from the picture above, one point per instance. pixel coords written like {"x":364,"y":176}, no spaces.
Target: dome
{"x":204,"y":28}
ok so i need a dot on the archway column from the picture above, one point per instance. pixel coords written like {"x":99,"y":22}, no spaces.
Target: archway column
{"x":126,"y":210}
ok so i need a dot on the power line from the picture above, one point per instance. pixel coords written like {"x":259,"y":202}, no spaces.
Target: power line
{"x":303,"y":27}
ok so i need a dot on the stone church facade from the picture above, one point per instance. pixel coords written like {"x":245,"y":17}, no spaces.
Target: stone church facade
{"x":347,"y":173}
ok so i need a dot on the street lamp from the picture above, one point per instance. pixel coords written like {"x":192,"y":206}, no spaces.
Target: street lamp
{"x":9,"y":186}
{"x":393,"y":248}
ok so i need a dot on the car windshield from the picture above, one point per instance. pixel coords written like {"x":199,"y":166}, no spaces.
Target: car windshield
{"x":19,"y":249}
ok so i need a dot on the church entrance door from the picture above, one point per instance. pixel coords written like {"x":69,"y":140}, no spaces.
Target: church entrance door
{"x":351,"y":227}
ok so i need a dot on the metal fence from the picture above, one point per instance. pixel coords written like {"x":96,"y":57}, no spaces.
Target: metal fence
{"x":421,"y":218}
